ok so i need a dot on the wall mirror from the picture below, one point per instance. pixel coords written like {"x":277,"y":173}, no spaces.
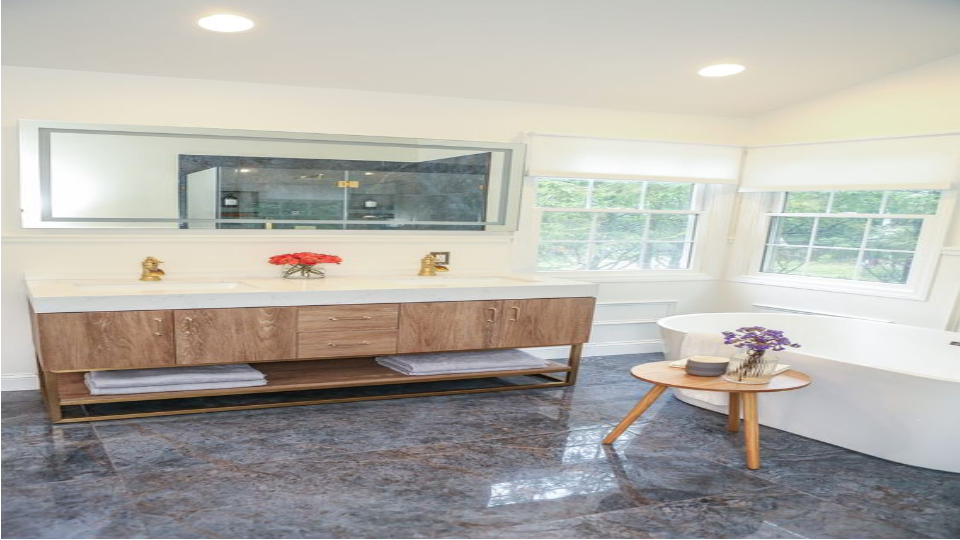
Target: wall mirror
{"x":111,"y":176}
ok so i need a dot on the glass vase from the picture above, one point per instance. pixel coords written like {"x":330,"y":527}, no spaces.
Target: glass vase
{"x":753,"y":367}
{"x":303,"y":271}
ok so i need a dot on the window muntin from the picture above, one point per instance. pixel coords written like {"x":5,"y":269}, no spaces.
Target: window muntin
{"x":850,"y":235}
{"x":615,"y":225}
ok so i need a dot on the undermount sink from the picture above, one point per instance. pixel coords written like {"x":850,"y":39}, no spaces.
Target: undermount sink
{"x":479,"y":281}
{"x":148,"y":286}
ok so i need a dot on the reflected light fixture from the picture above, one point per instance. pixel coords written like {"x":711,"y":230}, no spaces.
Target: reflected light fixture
{"x":226,"y":22}
{"x":721,"y":70}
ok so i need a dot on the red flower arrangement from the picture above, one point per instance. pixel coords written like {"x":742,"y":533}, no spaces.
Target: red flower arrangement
{"x":303,"y":263}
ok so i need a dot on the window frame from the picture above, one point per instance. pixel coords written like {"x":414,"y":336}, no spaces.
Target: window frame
{"x":756,"y":219}
{"x":707,"y":198}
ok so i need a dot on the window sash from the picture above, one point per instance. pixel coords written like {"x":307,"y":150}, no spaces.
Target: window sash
{"x":778,"y":204}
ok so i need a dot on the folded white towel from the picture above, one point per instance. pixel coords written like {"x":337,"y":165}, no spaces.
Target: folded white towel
{"x":462,"y":362}
{"x":99,"y":391}
{"x":135,"y":378}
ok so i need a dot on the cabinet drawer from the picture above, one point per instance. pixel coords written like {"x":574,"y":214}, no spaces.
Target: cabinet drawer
{"x":346,"y":343}
{"x":350,"y":317}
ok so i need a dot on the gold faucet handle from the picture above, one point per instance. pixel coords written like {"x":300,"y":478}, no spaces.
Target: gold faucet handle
{"x":440,"y":268}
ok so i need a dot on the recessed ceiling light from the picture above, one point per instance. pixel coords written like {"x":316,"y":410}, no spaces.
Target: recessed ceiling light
{"x":721,"y":70}
{"x":226,"y":22}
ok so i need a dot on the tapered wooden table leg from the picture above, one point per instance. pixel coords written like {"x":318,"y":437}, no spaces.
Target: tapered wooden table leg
{"x":751,"y":429}
{"x":635,"y":413}
{"x":733,"y":418}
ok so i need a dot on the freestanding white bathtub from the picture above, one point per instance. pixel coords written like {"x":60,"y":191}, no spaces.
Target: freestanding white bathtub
{"x":886,"y":390}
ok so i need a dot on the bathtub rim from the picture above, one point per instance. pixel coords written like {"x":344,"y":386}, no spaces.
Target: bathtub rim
{"x":661,"y":324}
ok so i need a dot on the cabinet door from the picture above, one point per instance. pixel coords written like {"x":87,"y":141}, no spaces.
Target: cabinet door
{"x":548,"y":321}
{"x":105,"y":339}
{"x":449,"y":326}
{"x":236,"y":335}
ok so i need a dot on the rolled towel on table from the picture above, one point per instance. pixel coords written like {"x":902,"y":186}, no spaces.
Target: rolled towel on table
{"x":462,"y":362}
{"x":133,"y":378}
{"x":99,"y":391}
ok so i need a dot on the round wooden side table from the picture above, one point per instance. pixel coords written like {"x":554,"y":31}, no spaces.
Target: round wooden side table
{"x":663,"y":376}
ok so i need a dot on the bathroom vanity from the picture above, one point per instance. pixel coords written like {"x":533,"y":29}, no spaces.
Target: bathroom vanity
{"x":303,"y":334}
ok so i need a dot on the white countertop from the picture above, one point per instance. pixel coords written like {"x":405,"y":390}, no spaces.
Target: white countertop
{"x":74,"y":295}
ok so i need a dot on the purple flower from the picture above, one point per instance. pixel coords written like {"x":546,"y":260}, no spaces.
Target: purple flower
{"x":757,"y":338}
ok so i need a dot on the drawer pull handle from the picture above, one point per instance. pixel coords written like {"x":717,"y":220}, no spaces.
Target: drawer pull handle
{"x":159,"y":322}
{"x":493,"y":314}
{"x":187,"y":326}
{"x":361,"y":318}
{"x":332,"y":344}
{"x":516,"y":314}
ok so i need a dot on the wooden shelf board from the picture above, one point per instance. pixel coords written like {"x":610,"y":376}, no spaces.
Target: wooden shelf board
{"x":295,"y":375}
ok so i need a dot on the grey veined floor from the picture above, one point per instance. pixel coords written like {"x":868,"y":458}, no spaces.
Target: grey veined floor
{"x":524,"y":464}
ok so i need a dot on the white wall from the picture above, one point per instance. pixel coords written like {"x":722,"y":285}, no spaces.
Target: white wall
{"x":42,"y":94}
{"x":917,"y":101}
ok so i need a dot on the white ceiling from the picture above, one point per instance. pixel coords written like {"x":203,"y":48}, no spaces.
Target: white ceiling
{"x":627,"y":54}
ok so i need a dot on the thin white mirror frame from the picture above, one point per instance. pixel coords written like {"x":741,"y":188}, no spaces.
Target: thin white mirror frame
{"x":35,"y":179}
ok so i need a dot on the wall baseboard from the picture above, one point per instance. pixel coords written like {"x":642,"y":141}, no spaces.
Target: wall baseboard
{"x":19,"y":381}
{"x":603,"y":349}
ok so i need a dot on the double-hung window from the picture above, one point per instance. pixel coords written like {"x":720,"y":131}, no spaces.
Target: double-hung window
{"x":859,"y":236}
{"x":616,"y":225}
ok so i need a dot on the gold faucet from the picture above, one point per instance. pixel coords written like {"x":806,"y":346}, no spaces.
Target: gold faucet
{"x":429,"y":266}
{"x":151,"y":269}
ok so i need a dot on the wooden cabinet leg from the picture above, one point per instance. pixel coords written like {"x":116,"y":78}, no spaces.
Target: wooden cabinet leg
{"x":51,"y":395}
{"x":574,"y":362}
{"x":733,"y":418}
{"x":751,"y":429}
{"x":635,"y":413}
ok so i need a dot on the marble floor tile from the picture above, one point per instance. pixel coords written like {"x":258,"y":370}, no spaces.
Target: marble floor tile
{"x":924,"y":500}
{"x":629,"y":390}
{"x":48,"y":453}
{"x":525,"y":464}
{"x":454,"y":488}
{"x":206,"y":440}
{"x":772,"y":513}
{"x":89,"y":508}
{"x":22,"y":408}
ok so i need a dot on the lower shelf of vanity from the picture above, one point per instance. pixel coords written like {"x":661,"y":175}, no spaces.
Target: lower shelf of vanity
{"x":293,"y":376}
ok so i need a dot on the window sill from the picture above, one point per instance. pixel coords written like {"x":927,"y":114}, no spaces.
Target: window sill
{"x":623,"y":277}
{"x":901,"y":292}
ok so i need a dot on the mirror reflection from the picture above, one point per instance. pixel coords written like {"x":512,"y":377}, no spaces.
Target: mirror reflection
{"x":360,"y":194}
{"x":84,"y":175}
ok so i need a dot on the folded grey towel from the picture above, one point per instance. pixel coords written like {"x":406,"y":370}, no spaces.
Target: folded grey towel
{"x":99,"y":391}
{"x":462,"y":362}
{"x":135,"y":378}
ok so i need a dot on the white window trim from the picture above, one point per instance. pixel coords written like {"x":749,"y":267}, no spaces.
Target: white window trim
{"x":715,"y":203}
{"x":755,"y":225}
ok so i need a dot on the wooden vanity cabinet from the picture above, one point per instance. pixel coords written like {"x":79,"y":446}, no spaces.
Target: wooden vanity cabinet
{"x":302,"y":347}
{"x":235,"y":335}
{"x":105,"y":340}
{"x":494,"y":324}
